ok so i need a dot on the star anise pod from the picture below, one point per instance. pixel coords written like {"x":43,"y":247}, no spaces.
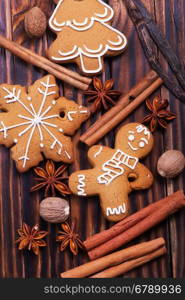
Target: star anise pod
{"x":68,"y":237}
{"x":51,"y":179}
{"x":102,"y":94}
{"x":31,"y":238}
{"x":159,"y":115}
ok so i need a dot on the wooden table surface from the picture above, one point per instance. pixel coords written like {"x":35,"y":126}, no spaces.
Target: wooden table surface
{"x":16,"y":201}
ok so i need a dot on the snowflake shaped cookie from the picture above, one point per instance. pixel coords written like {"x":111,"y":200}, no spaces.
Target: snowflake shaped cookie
{"x":36,"y":123}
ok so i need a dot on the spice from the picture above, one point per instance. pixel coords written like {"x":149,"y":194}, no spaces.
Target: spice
{"x":119,"y":262}
{"x":96,"y":132}
{"x":68,"y":237}
{"x":35,"y":23}
{"x":31,"y":238}
{"x":60,"y":72}
{"x":102,"y":94}
{"x":171,"y":163}
{"x":151,"y":36}
{"x":54,"y":210}
{"x":51,"y":179}
{"x":159,"y":115}
{"x":131,"y":227}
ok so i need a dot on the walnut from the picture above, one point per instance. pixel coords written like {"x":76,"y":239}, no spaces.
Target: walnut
{"x":54,"y":210}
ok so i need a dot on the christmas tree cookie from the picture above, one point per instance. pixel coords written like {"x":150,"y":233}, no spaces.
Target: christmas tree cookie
{"x":84,"y":34}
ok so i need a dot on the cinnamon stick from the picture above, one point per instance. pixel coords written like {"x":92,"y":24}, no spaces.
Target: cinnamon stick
{"x":118,"y":117}
{"x":130,"y":221}
{"x":123,"y":102}
{"x":133,"y":226}
{"x":129,"y":265}
{"x":114,"y":259}
{"x":60,"y":72}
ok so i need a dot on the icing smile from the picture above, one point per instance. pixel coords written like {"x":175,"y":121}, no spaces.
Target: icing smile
{"x":132,"y":147}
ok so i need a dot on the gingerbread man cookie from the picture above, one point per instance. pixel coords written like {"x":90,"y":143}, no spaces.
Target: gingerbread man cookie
{"x":116,"y":171}
{"x":84,"y":34}
{"x":37,"y":123}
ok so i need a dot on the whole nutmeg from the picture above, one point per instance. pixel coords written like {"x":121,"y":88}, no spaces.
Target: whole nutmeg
{"x":35,"y":23}
{"x":171,"y":163}
{"x":54,"y":210}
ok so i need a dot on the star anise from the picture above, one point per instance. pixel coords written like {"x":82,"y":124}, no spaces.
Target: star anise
{"x":31,"y":238}
{"x":68,"y":237}
{"x":102,"y":94}
{"x":159,"y":115}
{"x":50,"y":178}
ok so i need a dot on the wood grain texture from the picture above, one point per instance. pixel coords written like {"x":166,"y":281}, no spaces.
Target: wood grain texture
{"x":16,"y":201}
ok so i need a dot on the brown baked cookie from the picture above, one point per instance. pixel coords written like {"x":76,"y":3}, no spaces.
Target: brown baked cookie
{"x":84,"y":34}
{"x":116,"y":172}
{"x":37,"y":123}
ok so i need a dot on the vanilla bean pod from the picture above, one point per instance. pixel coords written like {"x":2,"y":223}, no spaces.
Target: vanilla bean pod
{"x":150,"y":35}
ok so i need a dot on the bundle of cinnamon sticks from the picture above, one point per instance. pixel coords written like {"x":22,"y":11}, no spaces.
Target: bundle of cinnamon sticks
{"x":134,"y":225}
{"x":122,"y":109}
{"x":119,"y":262}
{"x":58,"y":71}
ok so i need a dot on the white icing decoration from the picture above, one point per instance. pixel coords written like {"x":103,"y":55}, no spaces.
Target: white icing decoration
{"x":15,"y":141}
{"x":121,"y":209}
{"x":132,"y":147}
{"x":99,"y":151}
{"x":37,"y":120}
{"x":131,"y":138}
{"x":83,"y":111}
{"x":104,"y":14}
{"x":67,"y":154}
{"x":29,"y":98}
{"x":69,"y":113}
{"x":80,"y":24}
{"x":115,"y":166}
{"x":94,"y":51}
{"x":69,"y":52}
{"x":116,"y":43}
{"x":141,"y":144}
{"x":80,"y":51}
{"x":61,"y":130}
{"x":81,"y":185}
{"x":56,"y":26}
{"x":144,"y":140}
{"x":53,"y":102}
{"x":59,"y":151}
{"x":141,"y":128}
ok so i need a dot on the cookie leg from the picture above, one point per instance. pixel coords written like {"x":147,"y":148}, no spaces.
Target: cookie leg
{"x":114,"y":204}
{"x":83,"y":183}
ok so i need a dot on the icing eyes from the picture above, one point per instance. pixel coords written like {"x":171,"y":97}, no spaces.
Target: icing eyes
{"x":131,"y":138}
{"x":141,"y":144}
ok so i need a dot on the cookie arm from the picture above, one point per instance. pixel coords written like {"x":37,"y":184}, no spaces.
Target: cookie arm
{"x":84,"y":183}
{"x":144,"y":178}
{"x":98,"y":154}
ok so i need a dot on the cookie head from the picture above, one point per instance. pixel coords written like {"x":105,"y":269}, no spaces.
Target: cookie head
{"x":135,"y":139}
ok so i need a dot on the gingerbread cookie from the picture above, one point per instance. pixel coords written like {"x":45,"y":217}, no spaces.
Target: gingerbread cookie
{"x":84,"y":34}
{"x":116,"y":171}
{"x":35,"y":122}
